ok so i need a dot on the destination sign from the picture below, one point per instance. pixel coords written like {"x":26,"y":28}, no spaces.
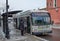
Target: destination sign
{"x":35,"y":14}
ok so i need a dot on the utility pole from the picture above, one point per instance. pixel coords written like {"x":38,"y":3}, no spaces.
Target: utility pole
{"x":6,"y":21}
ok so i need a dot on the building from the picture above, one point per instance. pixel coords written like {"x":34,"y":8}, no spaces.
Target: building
{"x":53,"y":7}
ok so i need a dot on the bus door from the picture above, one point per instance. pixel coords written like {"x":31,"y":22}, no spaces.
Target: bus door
{"x":15,"y":23}
{"x":28,"y":25}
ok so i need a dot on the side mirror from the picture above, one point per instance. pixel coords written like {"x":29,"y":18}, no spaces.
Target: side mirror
{"x":52,"y":22}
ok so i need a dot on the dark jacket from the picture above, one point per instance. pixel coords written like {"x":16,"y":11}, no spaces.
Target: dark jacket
{"x":21,"y":25}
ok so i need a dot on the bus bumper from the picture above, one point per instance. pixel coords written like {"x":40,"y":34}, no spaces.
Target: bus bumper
{"x":41,"y":33}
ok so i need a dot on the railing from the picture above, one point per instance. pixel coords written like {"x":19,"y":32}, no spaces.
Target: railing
{"x":56,"y":26}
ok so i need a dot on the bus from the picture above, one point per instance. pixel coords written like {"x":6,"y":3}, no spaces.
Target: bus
{"x":36,"y":21}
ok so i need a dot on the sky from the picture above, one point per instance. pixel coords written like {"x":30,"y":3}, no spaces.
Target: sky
{"x":25,"y":4}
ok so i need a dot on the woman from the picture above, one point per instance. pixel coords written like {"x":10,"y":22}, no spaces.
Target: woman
{"x":22,"y":27}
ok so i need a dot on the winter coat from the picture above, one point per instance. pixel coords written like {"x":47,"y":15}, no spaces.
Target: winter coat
{"x":21,"y":25}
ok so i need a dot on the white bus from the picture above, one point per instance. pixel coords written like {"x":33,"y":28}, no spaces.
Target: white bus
{"x":38,"y":21}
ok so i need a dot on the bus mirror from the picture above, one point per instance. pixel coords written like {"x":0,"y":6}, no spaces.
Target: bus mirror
{"x":52,"y":22}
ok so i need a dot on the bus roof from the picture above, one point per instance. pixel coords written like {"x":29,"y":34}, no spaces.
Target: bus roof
{"x":34,"y":11}
{"x":28,"y":12}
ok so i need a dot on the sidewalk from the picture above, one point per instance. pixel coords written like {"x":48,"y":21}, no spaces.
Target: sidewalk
{"x":15,"y":37}
{"x":15,"y":34}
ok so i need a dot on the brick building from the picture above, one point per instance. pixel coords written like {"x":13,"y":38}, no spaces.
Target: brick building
{"x":53,"y":6}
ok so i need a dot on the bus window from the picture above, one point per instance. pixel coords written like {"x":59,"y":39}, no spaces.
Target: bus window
{"x":38,"y":22}
{"x":40,"y":19}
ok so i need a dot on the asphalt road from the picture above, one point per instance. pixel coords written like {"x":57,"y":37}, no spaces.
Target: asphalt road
{"x":47,"y":37}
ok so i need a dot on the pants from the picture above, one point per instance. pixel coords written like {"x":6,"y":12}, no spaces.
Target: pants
{"x":22,"y":32}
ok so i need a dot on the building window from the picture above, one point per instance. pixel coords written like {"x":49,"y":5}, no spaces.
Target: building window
{"x":50,"y":4}
{"x":54,"y":3}
{"x":47,"y":4}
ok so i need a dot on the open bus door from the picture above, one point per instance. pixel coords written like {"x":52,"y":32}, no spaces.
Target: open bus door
{"x":15,"y":23}
{"x":28,"y":25}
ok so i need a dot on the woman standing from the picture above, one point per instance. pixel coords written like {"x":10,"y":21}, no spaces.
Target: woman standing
{"x":22,"y":27}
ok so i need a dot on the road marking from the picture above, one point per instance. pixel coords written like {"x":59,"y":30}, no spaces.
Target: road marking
{"x":40,"y":38}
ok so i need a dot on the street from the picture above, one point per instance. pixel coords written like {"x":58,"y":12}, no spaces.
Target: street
{"x":47,"y":37}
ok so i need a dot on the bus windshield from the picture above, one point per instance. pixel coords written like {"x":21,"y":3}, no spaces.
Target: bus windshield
{"x":40,"y":18}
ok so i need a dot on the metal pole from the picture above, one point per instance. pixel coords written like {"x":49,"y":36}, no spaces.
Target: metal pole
{"x":7,"y":29}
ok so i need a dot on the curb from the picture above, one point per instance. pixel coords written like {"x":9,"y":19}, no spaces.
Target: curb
{"x":39,"y":38}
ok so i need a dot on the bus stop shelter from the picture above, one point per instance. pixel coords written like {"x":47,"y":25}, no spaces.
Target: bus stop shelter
{"x":5,"y":27}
